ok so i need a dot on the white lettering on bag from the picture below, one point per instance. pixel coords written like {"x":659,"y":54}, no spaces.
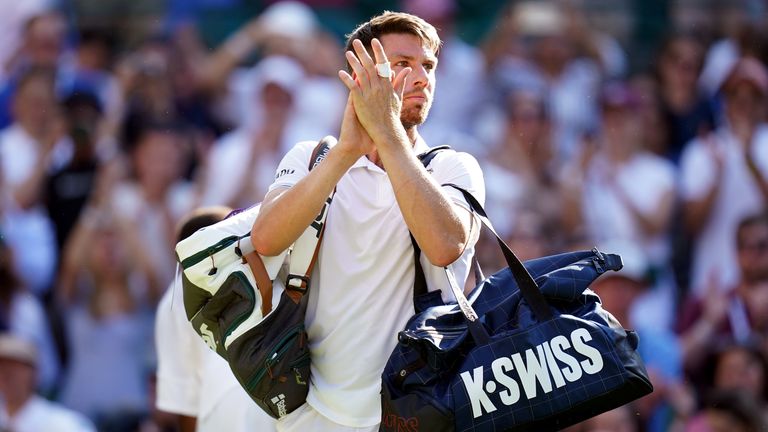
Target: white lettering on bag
{"x":532,"y":370}
{"x":559,"y":344}
{"x":557,"y":375}
{"x":540,"y":368}
{"x":579,"y":337}
{"x":512,"y":393}
{"x":474,"y":386}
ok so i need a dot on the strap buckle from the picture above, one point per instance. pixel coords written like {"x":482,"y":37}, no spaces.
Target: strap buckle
{"x":302,"y":286}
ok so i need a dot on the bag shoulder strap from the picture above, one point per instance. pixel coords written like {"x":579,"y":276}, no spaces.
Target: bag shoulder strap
{"x":307,"y":246}
{"x":528,"y":287}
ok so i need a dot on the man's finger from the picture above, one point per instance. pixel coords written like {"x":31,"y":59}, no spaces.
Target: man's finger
{"x":399,"y":82}
{"x":362,"y":75}
{"x":347,"y":80}
{"x":363,"y":56}
{"x":378,"y":51}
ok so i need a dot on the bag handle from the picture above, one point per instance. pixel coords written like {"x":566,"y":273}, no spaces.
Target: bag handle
{"x":528,"y":287}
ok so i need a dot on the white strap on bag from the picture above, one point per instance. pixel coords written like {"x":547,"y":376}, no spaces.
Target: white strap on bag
{"x":307,"y":246}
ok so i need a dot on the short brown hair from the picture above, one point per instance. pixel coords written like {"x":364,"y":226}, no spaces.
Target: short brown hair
{"x":199,"y":218}
{"x":394,"y":22}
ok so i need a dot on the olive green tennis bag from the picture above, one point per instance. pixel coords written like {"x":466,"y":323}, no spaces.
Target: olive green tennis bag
{"x":229,"y":290}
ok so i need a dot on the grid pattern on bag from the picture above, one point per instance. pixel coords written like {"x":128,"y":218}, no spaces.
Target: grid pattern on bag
{"x":564,"y":280}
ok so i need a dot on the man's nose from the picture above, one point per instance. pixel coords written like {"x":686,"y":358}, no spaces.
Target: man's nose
{"x":419,"y":76}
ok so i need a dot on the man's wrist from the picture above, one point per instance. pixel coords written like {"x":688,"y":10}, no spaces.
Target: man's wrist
{"x":345,"y":157}
{"x":387,"y":136}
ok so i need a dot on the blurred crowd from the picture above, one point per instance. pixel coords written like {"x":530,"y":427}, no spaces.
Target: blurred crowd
{"x":112,"y":129}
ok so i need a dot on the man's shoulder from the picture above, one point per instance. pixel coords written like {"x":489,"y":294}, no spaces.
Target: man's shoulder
{"x":306,"y":146}
{"x":451,"y":159}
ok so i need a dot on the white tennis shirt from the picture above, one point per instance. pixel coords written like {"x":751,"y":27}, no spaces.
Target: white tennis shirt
{"x":362,"y":287}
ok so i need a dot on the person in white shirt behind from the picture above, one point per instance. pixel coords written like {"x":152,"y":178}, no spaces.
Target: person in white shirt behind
{"x":725,"y":176}
{"x":193,"y":381}
{"x":21,"y":410}
{"x":30,"y":149}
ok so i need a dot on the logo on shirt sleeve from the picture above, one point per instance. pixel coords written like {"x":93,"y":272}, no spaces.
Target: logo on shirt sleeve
{"x":283,"y":172}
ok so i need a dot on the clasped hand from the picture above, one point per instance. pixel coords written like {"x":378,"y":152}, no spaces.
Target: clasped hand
{"x":373,"y":107}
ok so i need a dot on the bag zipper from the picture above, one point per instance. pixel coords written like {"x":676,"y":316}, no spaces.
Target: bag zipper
{"x":275,"y":355}
{"x":244,"y":279}
{"x":207,"y":252}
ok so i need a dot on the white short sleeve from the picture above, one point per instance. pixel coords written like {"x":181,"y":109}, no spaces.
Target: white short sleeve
{"x":294,"y":166}
{"x":461,"y":169}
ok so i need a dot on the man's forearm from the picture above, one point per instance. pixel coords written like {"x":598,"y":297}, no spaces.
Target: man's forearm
{"x":285,"y":214}
{"x":441,"y":232}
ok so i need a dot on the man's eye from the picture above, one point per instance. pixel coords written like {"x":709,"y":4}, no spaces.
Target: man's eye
{"x":429,"y":66}
{"x":402,"y":63}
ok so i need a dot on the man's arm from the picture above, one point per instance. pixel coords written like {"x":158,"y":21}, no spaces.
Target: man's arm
{"x":440,"y":228}
{"x":286,"y":213}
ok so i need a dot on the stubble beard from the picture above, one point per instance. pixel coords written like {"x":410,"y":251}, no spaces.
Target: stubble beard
{"x":414,"y":116}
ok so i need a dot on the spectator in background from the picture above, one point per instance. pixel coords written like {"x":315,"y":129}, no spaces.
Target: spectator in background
{"x":90,"y":73}
{"x":107,"y":292}
{"x":22,"y":314}
{"x":68,"y":188}
{"x":551,"y":65}
{"x":687,"y":110}
{"x":590,"y":42}
{"x":158,"y":83}
{"x":740,"y":32}
{"x":193,"y":381}
{"x":12,"y":21}
{"x":619,"y":191}
{"x":21,"y":410}
{"x":736,"y":367}
{"x":737,"y":312}
{"x":724,"y":177}
{"x":284,"y":29}
{"x":727,"y":411}
{"x":155,"y":195}
{"x":519,"y":169}
{"x":42,"y":46}
{"x":241,"y":166}
{"x":29,"y":149}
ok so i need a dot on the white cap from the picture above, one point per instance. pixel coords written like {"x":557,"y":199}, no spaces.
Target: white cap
{"x":289,"y":18}
{"x":15,"y":348}
{"x":281,"y":70}
{"x":539,"y":18}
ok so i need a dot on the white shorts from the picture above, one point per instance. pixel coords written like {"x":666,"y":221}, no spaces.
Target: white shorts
{"x":305,"y":419}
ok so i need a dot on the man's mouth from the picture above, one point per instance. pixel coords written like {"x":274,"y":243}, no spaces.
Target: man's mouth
{"x":417,"y":97}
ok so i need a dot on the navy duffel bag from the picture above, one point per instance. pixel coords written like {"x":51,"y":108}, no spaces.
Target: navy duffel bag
{"x":529,"y":349}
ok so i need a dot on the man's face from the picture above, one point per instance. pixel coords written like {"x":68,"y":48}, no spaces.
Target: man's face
{"x":406,"y":50}
{"x":17,"y":379}
{"x":753,"y":252}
